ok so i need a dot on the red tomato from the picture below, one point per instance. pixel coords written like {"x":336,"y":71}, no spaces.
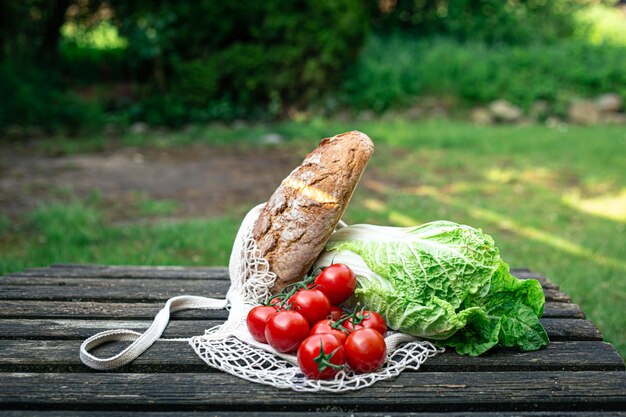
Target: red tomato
{"x":312,"y":304}
{"x":285,"y":330}
{"x":367,"y":319}
{"x":365,"y":350}
{"x":321,"y":356}
{"x":324,"y":327}
{"x":337,"y":282}
{"x":336,"y":313}
{"x":257,"y":320}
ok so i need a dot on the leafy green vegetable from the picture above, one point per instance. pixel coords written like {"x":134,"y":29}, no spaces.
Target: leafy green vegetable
{"x":441,"y":281}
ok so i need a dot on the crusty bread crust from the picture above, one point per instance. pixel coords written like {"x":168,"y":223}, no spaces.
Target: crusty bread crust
{"x":298,"y":219}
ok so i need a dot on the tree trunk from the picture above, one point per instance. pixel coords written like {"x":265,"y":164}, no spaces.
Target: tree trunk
{"x":52,"y":32}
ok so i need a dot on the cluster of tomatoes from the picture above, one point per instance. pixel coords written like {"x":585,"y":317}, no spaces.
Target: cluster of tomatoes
{"x":307,"y":318}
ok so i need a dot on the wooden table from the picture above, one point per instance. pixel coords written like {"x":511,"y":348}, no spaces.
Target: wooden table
{"x":46,"y":313}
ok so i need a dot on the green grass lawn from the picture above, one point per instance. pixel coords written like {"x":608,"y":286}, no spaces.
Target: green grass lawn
{"x":553,"y":199}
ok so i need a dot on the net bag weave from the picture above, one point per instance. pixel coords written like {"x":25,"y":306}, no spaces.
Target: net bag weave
{"x":230,"y":347}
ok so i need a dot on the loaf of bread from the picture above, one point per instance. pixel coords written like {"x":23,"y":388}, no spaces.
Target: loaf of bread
{"x":298,"y":219}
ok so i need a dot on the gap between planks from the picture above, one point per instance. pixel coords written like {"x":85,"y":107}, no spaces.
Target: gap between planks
{"x":333,"y":411}
{"x":132,"y":290}
{"x":27,"y":309}
{"x":172,"y":272}
{"x":62,"y":356}
{"x":417,"y":391}
{"x":64,"y":329}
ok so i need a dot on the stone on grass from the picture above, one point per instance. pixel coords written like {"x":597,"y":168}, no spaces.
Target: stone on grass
{"x":239,"y":124}
{"x":609,"y":103}
{"x":583,"y":112}
{"x":414,"y":112}
{"x":366,"y":116}
{"x":217,"y":124}
{"x":189,"y":128}
{"x":139,"y":128}
{"x":539,"y":110}
{"x":504,"y":111}
{"x":342,"y":115}
{"x":112,"y":129}
{"x":481,"y":116}
{"x":272,"y":139}
{"x":614,"y":118}
{"x":553,"y":121}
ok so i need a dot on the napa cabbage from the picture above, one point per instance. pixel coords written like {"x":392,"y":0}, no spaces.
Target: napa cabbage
{"x":441,"y":281}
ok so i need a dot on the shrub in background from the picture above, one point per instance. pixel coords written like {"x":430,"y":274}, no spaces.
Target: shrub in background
{"x":33,"y":97}
{"x":170,"y":63}
{"x":490,"y":21}
{"x":250,"y":54}
{"x":39,"y":71}
{"x":600,"y":25}
{"x":393,"y":71}
{"x":95,"y":54}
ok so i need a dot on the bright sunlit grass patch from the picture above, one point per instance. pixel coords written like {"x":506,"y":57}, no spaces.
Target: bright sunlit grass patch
{"x":611,"y":206}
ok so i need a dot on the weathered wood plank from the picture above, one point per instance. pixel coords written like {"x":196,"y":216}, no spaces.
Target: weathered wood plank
{"x":62,"y":356}
{"x":419,"y":391}
{"x":26,"y":309}
{"x":113,"y":310}
{"x":333,"y":411}
{"x":95,"y":289}
{"x":63,"y":329}
{"x":111,"y":271}
{"x":571,"y":329}
{"x":562,"y":310}
{"x":178,"y":272}
{"x":130,"y":289}
{"x":554,"y":296}
{"x":557,"y":356}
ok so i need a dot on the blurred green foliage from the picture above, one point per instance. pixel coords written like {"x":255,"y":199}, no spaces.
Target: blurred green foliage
{"x":601,"y":25}
{"x":32,"y":97}
{"x":95,"y":54}
{"x":70,"y":65}
{"x":490,"y":21}
{"x":394,"y":70}
{"x":33,"y":90}
{"x":254,"y":56}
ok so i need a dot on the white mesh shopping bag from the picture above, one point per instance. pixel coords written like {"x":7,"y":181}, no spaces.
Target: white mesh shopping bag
{"x":229,"y":346}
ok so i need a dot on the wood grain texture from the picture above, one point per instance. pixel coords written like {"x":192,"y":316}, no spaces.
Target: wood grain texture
{"x":96,"y":289}
{"x":131,"y":289}
{"x":27,"y":309}
{"x":178,"y":272}
{"x":45,"y":313}
{"x":108,"y":271}
{"x":421,"y":391}
{"x":63,"y":329}
{"x":333,"y":411}
{"x":61,"y":356}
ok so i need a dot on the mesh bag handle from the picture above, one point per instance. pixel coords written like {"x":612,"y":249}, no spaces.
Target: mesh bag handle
{"x":230,"y":347}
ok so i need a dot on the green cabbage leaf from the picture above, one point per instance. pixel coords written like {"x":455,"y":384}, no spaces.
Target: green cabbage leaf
{"x":441,"y":281}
